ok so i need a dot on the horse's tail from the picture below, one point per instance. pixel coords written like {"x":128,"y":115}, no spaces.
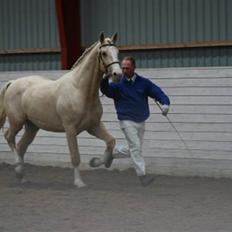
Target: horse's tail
{"x":2,"y":107}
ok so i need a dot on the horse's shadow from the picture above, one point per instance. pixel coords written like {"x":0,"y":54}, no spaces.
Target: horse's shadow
{"x":98,"y":179}
{"x":35,"y":185}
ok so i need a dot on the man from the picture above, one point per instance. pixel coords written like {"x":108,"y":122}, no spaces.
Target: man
{"x":130,"y":97}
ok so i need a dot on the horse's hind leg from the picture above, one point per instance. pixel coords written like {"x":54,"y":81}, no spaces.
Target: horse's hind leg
{"x":10,"y":135}
{"x":22,"y":145}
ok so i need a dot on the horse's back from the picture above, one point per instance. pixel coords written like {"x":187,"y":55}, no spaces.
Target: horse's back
{"x":31,"y":80}
{"x":22,"y":84}
{"x":18,"y":87}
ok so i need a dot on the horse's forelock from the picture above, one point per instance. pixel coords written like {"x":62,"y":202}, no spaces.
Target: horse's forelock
{"x":108,"y":40}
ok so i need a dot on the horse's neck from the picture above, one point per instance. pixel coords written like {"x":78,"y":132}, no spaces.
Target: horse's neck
{"x":87,"y":75}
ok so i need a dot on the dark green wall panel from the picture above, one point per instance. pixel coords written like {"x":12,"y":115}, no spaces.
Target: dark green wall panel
{"x":33,"y":24}
{"x":198,"y":57}
{"x":157,"y":21}
{"x":28,"y":24}
{"x":160,"y":22}
{"x":29,"y":62}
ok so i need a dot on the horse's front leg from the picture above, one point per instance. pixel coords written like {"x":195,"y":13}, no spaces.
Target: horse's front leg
{"x":74,"y":153}
{"x":100,"y":132}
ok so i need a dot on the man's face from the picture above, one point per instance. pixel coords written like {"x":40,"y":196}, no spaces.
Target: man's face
{"x":127,"y":68}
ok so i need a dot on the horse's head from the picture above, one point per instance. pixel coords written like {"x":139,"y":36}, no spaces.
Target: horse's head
{"x":108,"y":55}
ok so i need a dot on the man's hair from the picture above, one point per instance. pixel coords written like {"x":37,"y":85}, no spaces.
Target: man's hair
{"x":131,"y":59}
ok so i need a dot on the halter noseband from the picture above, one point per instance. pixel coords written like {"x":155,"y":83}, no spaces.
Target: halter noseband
{"x":100,"y":56}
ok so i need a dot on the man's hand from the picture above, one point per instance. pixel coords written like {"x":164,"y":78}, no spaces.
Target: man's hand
{"x":165,"y":109}
{"x":106,"y":76}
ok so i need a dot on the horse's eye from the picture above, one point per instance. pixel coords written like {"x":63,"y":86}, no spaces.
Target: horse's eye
{"x":104,"y":54}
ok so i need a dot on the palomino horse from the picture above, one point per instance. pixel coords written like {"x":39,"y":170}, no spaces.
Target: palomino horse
{"x":69,"y":104}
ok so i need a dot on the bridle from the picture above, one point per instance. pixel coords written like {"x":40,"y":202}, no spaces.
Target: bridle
{"x":106,"y":66}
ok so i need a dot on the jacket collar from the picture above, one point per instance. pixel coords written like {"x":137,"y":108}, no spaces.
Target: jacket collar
{"x":129,"y":80}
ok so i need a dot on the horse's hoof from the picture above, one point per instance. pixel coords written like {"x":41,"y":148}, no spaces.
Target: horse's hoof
{"x":80,"y":184}
{"x":19,"y":169}
{"x":25,"y":181}
{"x":109,"y":161}
{"x":19,"y":173}
{"x":95,"y":162}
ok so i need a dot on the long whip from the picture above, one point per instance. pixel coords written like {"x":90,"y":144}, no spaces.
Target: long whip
{"x":178,"y":133}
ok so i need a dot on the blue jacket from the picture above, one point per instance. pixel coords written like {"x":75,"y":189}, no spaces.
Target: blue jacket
{"x":131,"y":98}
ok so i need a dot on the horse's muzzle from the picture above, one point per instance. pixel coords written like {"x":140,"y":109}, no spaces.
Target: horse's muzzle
{"x":116,"y":73}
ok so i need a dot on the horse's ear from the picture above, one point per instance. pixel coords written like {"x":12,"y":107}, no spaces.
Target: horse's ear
{"x":114,"y":37}
{"x":101,"y":37}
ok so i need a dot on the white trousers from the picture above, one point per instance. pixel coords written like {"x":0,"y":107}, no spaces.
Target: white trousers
{"x":134,"y":133}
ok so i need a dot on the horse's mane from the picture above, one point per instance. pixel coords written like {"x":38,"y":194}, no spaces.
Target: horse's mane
{"x":87,"y":50}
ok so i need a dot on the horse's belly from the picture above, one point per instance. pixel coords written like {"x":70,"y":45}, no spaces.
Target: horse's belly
{"x":49,"y":112}
{"x":45,"y":117}
{"x":47,"y":125}
{"x":46,"y":121}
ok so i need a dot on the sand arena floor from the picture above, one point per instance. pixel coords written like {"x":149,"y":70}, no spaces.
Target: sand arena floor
{"x":113,"y":202}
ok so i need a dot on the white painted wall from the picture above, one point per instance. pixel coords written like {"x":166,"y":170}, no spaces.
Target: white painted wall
{"x":201,"y":110}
